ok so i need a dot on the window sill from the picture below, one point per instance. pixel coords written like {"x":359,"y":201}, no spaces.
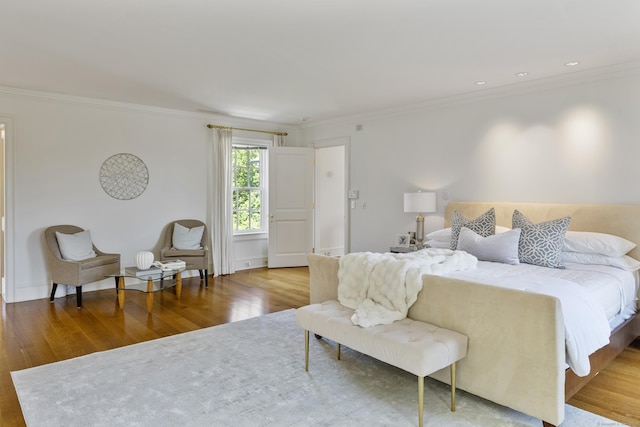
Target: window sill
{"x":254,"y":235}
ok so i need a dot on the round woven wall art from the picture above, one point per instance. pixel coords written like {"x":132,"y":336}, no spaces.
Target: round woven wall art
{"x":124,"y":176}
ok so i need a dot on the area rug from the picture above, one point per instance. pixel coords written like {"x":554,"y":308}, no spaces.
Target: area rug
{"x":247,"y":373}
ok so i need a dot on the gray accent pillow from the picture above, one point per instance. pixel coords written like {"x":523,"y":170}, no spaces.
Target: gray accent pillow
{"x":502,"y":247}
{"x":484,"y":225}
{"x":541,"y":244}
{"x":75,"y":247}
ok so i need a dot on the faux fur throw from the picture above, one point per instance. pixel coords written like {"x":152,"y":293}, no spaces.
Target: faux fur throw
{"x":381,"y":287}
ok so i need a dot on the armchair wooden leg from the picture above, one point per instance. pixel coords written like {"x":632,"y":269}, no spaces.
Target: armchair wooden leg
{"x":53,"y":291}
{"x":79,"y":296}
{"x":206,"y":278}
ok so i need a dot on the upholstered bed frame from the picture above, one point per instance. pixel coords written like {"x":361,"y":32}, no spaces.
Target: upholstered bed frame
{"x":516,"y":354}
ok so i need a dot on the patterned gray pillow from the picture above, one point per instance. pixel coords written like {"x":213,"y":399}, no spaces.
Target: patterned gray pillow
{"x":484,"y":225}
{"x":540,"y":244}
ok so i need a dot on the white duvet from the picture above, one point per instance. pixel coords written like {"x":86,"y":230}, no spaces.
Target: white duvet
{"x":381,"y":287}
{"x":586,"y":325}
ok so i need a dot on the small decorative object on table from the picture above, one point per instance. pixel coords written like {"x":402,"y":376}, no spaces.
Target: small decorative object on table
{"x":144,"y":259}
{"x":403,"y":240}
{"x":412,"y":237}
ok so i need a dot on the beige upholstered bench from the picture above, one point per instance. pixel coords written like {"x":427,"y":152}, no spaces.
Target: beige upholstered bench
{"x":416,"y":347}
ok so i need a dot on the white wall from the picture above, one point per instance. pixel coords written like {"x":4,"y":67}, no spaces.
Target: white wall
{"x":329,"y":218}
{"x":572,"y":141}
{"x":59,"y":145}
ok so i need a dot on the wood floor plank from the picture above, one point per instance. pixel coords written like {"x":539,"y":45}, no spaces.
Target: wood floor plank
{"x":33,"y":333}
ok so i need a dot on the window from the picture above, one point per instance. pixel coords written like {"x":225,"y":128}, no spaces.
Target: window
{"x":248,"y":188}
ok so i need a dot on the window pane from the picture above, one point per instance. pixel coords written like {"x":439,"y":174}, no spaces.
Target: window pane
{"x":254,"y":177}
{"x":241,"y":177}
{"x":255,"y":200}
{"x":243,"y":200}
{"x":243,"y":220}
{"x":256,"y":221}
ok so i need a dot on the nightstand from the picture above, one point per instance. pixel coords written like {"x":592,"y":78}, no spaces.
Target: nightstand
{"x":402,"y":249}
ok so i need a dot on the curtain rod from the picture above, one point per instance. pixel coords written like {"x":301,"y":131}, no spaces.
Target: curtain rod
{"x":210,"y":126}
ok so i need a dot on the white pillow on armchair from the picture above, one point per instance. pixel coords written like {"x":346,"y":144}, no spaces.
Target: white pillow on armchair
{"x":187,"y":238}
{"x":75,"y":247}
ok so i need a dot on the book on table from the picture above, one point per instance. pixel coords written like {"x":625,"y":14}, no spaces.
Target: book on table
{"x":150,"y":273}
{"x":170,"y":265}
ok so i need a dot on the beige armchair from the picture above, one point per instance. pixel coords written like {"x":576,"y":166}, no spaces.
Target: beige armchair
{"x":76,"y":273}
{"x":197,"y":258}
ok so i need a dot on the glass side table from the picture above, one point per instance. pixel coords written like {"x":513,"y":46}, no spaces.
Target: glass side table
{"x":149,"y":283}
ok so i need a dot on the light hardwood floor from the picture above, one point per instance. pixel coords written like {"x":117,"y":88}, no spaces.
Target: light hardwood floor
{"x":33,"y":333}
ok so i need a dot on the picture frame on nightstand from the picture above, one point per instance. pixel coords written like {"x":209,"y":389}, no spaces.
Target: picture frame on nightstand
{"x":403,"y":240}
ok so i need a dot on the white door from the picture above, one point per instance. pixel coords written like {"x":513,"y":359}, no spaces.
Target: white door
{"x":290,"y":206}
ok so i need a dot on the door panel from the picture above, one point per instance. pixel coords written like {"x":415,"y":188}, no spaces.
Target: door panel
{"x":290,"y":206}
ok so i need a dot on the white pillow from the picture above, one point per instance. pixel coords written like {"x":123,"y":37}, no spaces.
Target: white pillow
{"x":501,"y":247}
{"x":596,"y":243}
{"x":444,"y":235}
{"x":75,"y":247}
{"x":438,"y":244}
{"x":623,"y":262}
{"x":187,"y":238}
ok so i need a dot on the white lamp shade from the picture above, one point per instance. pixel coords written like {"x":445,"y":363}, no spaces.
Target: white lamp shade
{"x":420,"y":202}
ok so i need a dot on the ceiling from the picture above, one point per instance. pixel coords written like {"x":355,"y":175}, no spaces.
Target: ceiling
{"x":291,"y":61}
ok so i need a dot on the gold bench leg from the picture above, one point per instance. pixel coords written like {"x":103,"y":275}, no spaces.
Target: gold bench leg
{"x":453,"y":387}
{"x":339,"y":350}
{"x":420,"y":400}
{"x":306,"y":350}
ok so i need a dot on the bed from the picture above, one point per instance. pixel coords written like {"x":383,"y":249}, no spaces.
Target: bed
{"x":516,"y":337}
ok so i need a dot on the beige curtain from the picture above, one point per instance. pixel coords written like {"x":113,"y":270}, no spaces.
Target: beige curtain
{"x":278,"y":140}
{"x":220,"y":209}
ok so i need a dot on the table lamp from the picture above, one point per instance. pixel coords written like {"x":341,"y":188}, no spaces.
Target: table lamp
{"x":421,"y":203}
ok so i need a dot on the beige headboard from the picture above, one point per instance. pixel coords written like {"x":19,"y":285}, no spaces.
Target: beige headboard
{"x":620,"y":220}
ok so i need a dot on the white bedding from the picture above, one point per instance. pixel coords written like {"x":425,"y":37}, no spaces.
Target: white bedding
{"x":604,"y":291}
{"x":381,"y":287}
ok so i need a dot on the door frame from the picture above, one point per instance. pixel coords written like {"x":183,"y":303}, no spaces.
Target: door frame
{"x":8,"y":251}
{"x":335,"y":142}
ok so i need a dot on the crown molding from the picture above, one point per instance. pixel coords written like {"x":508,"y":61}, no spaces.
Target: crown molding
{"x":220,"y":119}
{"x":564,"y":80}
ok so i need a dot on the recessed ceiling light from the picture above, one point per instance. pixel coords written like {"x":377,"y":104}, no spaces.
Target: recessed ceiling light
{"x":480,"y":83}
{"x":522,"y":74}
{"x":572,"y":63}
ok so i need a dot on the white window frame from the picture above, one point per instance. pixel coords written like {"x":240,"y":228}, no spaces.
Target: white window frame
{"x":245,"y":142}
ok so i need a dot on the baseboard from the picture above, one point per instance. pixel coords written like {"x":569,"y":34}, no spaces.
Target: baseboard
{"x":248,"y":264}
{"x":41,"y":291}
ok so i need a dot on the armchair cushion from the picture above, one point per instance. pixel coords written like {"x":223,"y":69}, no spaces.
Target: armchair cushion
{"x":75,"y":247}
{"x":187,"y":238}
{"x":100,"y":260}
{"x":185,"y":253}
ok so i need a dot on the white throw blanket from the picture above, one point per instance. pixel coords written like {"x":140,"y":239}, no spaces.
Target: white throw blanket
{"x":381,"y":287}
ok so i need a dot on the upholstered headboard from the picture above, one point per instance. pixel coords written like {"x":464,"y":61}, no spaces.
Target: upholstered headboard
{"x":620,"y":220}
